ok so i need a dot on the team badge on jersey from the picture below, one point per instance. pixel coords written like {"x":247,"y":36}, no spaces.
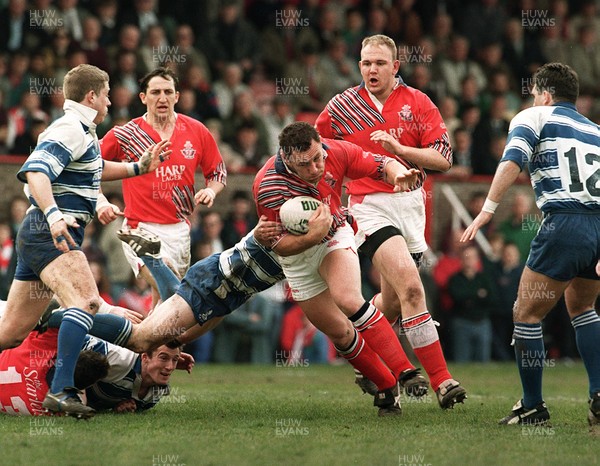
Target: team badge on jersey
{"x":406,"y":113}
{"x":188,"y":150}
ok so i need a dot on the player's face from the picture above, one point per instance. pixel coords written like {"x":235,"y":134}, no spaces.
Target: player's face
{"x":160,"y":97}
{"x":378,"y":69}
{"x":161,"y":365}
{"x":308,"y":165}
{"x":101,"y":103}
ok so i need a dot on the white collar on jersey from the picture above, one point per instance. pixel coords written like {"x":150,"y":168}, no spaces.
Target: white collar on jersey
{"x":84,"y":113}
{"x":376,"y":101}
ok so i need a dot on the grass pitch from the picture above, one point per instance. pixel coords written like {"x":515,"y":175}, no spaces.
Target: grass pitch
{"x":249,"y":415}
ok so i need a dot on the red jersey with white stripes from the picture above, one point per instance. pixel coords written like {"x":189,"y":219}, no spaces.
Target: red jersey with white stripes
{"x":275,"y":183}
{"x":23,"y":372}
{"x":408,"y":115}
{"x":166,"y":195}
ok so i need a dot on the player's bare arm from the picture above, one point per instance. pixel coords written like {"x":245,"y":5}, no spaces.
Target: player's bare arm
{"x":505,"y":176}
{"x":152,"y":158}
{"x":318,"y":227}
{"x":424,"y":157}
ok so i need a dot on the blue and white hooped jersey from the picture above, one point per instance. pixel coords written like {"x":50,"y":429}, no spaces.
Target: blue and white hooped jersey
{"x":562,"y":149}
{"x":247,"y":269}
{"x":123,"y":380}
{"x":69,"y":154}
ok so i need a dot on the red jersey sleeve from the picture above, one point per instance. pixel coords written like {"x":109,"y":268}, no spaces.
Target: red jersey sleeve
{"x":267,"y":195}
{"x":358,"y":163}
{"x":432,"y":125}
{"x":323,"y":124}
{"x":211,"y":162}
{"x":110,"y":147}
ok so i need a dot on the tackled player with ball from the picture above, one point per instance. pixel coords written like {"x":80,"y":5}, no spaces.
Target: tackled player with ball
{"x":323,"y":270}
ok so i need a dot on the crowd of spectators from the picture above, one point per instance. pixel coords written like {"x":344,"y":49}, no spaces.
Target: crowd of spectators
{"x":249,"y":68}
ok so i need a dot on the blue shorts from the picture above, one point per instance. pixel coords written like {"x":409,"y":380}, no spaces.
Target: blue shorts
{"x":208,"y":293}
{"x":35,"y":248}
{"x":567,"y":246}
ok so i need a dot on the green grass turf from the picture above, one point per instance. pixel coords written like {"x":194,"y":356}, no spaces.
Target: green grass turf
{"x":237,"y":415}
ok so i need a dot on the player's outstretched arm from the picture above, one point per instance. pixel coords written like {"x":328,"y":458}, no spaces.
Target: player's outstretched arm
{"x":505,"y":176}
{"x":401,"y":177}
{"x":149,"y":162}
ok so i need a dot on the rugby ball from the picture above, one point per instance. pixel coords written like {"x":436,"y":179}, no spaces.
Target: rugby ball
{"x":295,"y":212}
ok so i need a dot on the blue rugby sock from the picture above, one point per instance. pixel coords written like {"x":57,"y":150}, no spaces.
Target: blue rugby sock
{"x":55,"y":319}
{"x":111,"y":328}
{"x":166,"y":281}
{"x":530,"y":354}
{"x":108,"y":327}
{"x":73,"y":329}
{"x":587,"y":336}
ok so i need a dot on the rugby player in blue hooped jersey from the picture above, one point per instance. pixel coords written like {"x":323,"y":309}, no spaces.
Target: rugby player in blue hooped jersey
{"x":212,"y":288}
{"x":62,"y":177}
{"x":562,"y":149}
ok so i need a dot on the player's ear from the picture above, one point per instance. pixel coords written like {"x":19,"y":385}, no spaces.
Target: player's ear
{"x":90,"y":96}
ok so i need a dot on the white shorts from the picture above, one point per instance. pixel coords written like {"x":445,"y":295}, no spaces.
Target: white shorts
{"x":302,"y":270}
{"x":404,"y":210}
{"x":174,"y":245}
